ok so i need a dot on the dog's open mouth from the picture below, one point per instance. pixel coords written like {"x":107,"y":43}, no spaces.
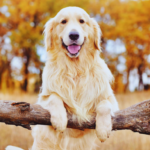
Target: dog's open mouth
{"x":73,"y":49}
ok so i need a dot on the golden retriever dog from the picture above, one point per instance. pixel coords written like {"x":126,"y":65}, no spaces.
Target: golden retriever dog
{"x":75,"y":80}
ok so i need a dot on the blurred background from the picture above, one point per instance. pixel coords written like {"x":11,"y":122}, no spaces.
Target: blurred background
{"x":125,"y":42}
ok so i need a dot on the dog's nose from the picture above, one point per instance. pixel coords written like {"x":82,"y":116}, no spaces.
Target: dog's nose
{"x":74,"y":35}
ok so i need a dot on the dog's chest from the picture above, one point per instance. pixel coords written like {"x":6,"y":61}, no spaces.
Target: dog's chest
{"x":81,"y":88}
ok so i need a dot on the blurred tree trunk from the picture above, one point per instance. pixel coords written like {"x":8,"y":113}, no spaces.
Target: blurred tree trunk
{"x":9,"y":78}
{"x":5,"y":67}
{"x":127,"y":84}
{"x":1,"y":72}
{"x":140,"y":72}
{"x":26,"y":52}
{"x":141,"y":69}
{"x":0,"y":79}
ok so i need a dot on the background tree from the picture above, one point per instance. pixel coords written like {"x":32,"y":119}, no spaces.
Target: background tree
{"x":26,"y":22}
{"x":5,"y":53}
{"x":123,"y":22}
{"x":128,"y":21}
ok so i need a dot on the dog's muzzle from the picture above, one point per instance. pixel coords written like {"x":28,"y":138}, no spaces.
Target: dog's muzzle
{"x":73,"y":49}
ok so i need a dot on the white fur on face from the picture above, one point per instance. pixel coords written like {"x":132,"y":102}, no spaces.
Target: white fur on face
{"x":57,"y":32}
{"x":72,"y":15}
{"x":72,"y":25}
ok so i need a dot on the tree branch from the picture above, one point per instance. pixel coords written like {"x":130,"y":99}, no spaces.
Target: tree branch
{"x":135,"y":118}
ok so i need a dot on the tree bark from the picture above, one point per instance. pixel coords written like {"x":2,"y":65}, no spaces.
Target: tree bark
{"x":135,"y":118}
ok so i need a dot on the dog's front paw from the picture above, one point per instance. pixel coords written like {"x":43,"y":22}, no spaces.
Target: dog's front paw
{"x":103,"y":126}
{"x":59,"y":120}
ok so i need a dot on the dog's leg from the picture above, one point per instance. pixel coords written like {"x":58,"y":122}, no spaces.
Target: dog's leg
{"x":103,"y":120}
{"x":105,"y":110}
{"x":58,"y":112}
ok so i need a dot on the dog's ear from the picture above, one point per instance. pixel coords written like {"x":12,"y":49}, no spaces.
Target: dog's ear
{"x":97,"y":34}
{"x":48,"y":34}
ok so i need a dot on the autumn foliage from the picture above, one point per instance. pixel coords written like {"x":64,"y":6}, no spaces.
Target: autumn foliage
{"x":123,"y":22}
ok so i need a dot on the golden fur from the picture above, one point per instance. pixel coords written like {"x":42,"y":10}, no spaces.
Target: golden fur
{"x":79,"y":84}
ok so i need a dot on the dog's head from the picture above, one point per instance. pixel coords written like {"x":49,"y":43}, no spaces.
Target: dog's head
{"x":72,"y":30}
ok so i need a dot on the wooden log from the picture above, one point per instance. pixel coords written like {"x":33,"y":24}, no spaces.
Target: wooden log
{"x":135,"y":118}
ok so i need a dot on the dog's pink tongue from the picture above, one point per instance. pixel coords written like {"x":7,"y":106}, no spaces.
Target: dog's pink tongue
{"x":73,"y":49}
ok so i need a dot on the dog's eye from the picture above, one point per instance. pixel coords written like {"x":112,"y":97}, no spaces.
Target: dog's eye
{"x":81,"y":21}
{"x":64,"y":21}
